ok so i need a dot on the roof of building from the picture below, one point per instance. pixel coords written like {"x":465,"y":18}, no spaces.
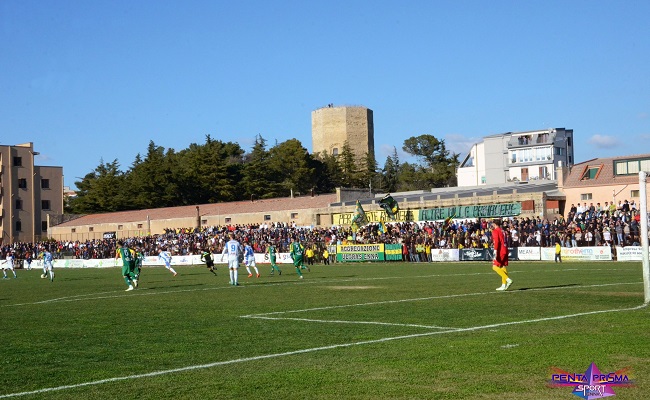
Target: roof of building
{"x":604,"y":175}
{"x":222,"y":209}
{"x":469,"y":191}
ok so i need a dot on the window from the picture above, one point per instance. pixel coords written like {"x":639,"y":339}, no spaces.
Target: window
{"x":120,"y":227}
{"x":204,"y":222}
{"x":19,"y":204}
{"x":267,"y":217}
{"x":542,"y":138}
{"x":19,"y":226}
{"x":513,"y":160}
{"x":45,"y":183}
{"x":294,"y":215}
{"x":91,"y":229}
{"x":568,"y":141}
{"x":45,"y":204}
{"x":585,"y":196}
{"x":44,"y":226}
{"x":73,"y":230}
{"x":590,"y":173}
{"x":543,"y":173}
{"x":139,"y":226}
{"x":559,"y":151}
{"x":227,"y":220}
{"x":335,"y":151}
{"x":631,"y":167}
{"x":18,"y":161}
{"x":22,"y":183}
{"x":483,"y":179}
{"x":634,"y":193}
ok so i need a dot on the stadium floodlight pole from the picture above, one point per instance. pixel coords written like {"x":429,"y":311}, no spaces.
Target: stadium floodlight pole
{"x":643,"y":206}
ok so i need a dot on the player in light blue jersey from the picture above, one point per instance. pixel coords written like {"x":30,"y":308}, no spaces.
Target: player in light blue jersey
{"x":47,"y":264}
{"x":233,"y":250}
{"x":166,"y":257}
{"x":249,"y":260}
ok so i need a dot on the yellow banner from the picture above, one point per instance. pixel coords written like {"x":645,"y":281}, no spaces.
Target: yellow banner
{"x":360,"y":248}
{"x":374,"y":216}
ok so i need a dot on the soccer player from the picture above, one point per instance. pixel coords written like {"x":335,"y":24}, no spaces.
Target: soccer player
{"x":271,"y":250}
{"x":500,"y":261}
{"x":47,"y":264}
{"x":297,"y":252}
{"x":249,"y":260}
{"x":8,"y":264}
{"x":558,"y":251}
{"x":139,"y":257}
{"x":128,"y":263}
{"x":29,"y":260}
{"x":164,"y":255}
{"x":206,"y":257}
{"x":233,"y":249}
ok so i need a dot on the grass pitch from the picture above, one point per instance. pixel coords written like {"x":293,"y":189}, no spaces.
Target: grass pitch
{"x":352,"y":331}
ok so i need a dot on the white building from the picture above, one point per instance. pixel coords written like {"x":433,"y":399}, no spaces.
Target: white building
{"x":517,"y":156}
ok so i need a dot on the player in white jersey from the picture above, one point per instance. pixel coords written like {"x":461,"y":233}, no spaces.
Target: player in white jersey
{"x":249,"y":260}
{"x":233,"y":250}
{"x":8,"y":264}
{"x":47,"y":264}
{"x":166,"y":257}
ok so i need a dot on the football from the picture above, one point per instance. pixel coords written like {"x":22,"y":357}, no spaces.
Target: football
{"x":43,"y":276}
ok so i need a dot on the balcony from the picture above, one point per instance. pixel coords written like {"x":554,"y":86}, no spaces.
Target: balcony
{"x":531,"y":140}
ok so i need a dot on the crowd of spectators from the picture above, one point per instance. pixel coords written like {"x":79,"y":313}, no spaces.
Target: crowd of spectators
{"x":585,"y":225}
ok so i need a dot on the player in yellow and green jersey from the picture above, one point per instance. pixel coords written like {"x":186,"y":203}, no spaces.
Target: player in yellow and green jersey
{"x":271,"y":251}
{"x":128,"y":264}
{"x":297,"y":253}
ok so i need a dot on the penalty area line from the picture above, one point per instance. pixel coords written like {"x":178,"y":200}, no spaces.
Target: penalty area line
{"x":309,"y":350}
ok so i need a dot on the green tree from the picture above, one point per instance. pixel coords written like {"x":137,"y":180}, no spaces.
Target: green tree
{"x":438,"y":164}
{"x":348,"y":163}
{"x":101,"y":190}
{"x":258,"y":180}
{"x":368,"y":174}
{"x":329,"y":175}
{"x":152,"y":183}
{"x":390,"y":172}
{"x":293,"y":166}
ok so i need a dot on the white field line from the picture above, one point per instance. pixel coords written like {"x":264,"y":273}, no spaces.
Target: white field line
{"x":449,"y":296}
{"x":332,"y":321}
{"x":309,"y":350}
{"x":142,"y":291}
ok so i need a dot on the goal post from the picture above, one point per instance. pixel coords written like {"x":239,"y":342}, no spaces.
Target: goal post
{"x":643,"y":207}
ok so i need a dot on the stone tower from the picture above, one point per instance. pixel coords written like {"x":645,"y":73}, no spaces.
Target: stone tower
{"x":331,"y":126}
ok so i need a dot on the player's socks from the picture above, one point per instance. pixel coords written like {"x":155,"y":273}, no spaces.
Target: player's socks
{"x":298,"y":270}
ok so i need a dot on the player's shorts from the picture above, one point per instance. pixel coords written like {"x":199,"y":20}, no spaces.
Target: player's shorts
{"x":297,"y":261}
{"x":500,"y":263}
{"x":233,"y":264}
{"x":8,"y":266}
{"x":48,"y":266}
{"x":250,"y":261}
{"x":209,"y":264}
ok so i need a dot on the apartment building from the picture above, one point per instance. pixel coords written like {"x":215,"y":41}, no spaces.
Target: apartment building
{"x":28,"y":194}
{"x":517,"y":157}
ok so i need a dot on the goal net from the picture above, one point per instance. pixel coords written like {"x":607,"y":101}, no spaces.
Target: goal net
{"x":643,"y":197}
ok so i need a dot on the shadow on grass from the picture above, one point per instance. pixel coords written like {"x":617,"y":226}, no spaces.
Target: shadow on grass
{"x":547,"y":287}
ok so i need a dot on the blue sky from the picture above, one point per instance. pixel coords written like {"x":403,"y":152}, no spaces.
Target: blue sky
{"x":93,"y":80}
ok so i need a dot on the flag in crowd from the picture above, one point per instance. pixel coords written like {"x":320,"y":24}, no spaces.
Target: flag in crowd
{"x":359,"y":218}
{"x":389,"y":204}
{"x":448,"y":221}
